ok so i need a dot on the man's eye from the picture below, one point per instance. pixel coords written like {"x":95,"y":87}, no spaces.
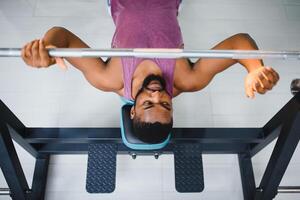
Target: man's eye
{"x":147,"y":103}
{"x":165,"y":104}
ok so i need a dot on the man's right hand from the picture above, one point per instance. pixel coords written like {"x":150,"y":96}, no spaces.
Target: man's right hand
{"x":35,"y":54}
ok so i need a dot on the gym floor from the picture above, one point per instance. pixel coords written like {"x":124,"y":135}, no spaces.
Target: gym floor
{"x":53,"y":98}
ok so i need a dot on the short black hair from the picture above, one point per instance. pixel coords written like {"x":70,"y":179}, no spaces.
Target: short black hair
{"x":152,"y":133}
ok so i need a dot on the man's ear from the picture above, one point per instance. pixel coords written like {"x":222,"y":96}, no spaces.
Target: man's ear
{"x":132,"y":112}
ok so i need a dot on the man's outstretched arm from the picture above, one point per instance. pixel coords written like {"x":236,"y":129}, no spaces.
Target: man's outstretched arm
{"x":95,"y":70}
{"x":259,"y":78}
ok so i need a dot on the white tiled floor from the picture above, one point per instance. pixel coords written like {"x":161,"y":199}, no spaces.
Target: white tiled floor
{"x":51,"y":98}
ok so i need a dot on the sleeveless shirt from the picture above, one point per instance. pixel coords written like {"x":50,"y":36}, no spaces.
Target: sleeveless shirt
{"x":146,"y":24}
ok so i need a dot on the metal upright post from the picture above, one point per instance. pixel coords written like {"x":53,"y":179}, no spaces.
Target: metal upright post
{"x":280,"y":158}
{"x":272,"y":129}
{"x":247,"y":176}
{"x":16,"y":128}
{"x":40,"y":178}
{"x":11,"y":167}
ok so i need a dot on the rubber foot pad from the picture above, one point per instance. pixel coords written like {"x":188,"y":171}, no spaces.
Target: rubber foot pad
{"x":188,"y":168}
{"x":101,"y":170}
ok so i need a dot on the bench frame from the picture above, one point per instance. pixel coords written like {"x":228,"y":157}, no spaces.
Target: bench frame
{"x":41,"y":143}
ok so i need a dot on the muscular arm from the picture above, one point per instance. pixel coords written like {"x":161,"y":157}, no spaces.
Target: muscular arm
{"x":202,"y":72}
{"x":96,"y":71}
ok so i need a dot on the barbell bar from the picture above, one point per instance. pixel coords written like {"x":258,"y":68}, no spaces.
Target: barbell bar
{"x":288,"y":189}
{"x":4,"y":191}
{"x":159,"y":53}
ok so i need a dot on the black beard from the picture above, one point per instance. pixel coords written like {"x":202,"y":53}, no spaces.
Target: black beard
{"x":153,"y":77}
{"x":148,"y":80}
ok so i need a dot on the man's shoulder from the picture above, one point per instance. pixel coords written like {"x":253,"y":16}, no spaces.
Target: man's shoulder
{"x":114,"y":75}
{"x":183,"y":75}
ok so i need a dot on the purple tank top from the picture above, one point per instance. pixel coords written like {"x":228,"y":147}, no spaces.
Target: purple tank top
{"x":146,"y":24}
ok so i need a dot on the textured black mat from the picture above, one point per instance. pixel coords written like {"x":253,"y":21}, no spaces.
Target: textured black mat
{"x":101,"y":170}
{"x":188,"y":168}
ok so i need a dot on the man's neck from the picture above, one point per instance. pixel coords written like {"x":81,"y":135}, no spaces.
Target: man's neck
{"x":144,"y":69}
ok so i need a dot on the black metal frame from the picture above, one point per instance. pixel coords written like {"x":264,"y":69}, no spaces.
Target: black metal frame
{"x":246,"y":142}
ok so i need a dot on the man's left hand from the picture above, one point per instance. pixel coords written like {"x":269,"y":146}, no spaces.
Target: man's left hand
{"x":260,"y":80}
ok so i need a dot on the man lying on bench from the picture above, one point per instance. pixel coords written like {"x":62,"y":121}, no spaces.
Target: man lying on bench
{"x":150,"y":84}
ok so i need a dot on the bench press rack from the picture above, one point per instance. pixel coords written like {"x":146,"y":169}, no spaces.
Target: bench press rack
{"x":41,"y":143}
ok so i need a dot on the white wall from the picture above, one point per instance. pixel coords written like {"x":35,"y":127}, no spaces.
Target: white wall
{"x":53,"y":98}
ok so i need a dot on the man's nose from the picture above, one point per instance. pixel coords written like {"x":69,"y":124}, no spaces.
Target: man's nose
{"x":156,"y":96}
